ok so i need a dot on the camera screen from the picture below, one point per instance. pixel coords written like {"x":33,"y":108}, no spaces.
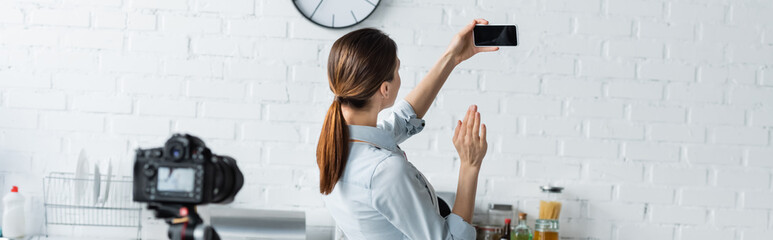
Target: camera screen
{"x":176,"y":179}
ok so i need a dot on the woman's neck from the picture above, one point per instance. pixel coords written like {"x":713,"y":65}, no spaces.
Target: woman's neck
{"x":367,"y":116}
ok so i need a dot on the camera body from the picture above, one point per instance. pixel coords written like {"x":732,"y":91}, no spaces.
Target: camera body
{"x":185,"y":171}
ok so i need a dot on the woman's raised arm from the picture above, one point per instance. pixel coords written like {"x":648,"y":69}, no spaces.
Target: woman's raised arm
{"x":461,"y":48}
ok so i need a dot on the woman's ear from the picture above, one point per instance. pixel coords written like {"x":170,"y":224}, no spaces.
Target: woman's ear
{"x":385,"y":89}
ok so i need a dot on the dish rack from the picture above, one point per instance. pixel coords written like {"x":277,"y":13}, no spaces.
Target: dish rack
{"x":64,"y":207}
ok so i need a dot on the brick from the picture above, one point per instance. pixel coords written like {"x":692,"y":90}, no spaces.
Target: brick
{"x":666,"y":30}
{"x":18,"y":79}
{"x":708,"y":198}
{"x":668,"y":114}
{"x":551,"y":127}
{"x":457,"y":103}
{"x":667,"y":71}
{"x":221,"y":46}
{"x":110,"y":19}
{"x":695,"y":93}
{"x":66,"y":60}
{"x":167,"y":5}
{"x":615,"y":130}
{"x":459,"y":81}
{"x":761,"y":157}
{"x":730,"y":34}
{"x":296,"y":112}
{"x":199,"y":68}
{"x":574,"y":45}
{"x":141,"y":126}
{"x":169,"y":44}
{"x":617,"y":211}
{"x":723,"y":74}
{"x":30,"y":141}
{"x":677,"y":133}
{"x":497,"y":82}
{"x":291,"y":51}
{"x":24,"y":119}
{"x":584,"y":6}
{"x":752,"y":54}
{"x":571,"y":87}
{"x":9,"y":15}
{"x":234,"y":6}
{"x":293,"y":197}
{"x":84,"y":82}
{"x":100,"y":103}
{"x":603,"y":26}
{"x":636,"y":49}
{"x":533,"y":106}
{"x":312,"y":74}
{"x":758,"y":200}
{"x":207,"y":128}
{"x":592,"y":192}
{"x":646,"y":194}
{"x":590,"y":149}
{"x":551,"y":170}
{"x":697,"y":52}
{"x":163,"y":107}
{"x":636,"y":90}
{"x":643,"y":151}
{"x":301,"y":29}
{"x":73,"y":122}
{"x":595,"y":109}
{"x":739,"y":179}
{"x":36,"y":100}
{"x":155,"y":86}
{"x":231,"y":110}
{"x":755,"y":234}
{"x":292,"y":154}
{"x":718,"y":115}
{"x":678,"y":215}
{"x":270,"y":92}
{"x":707,"y":233}
{"x":714,"y":155}
{"x":739,"y":136}
{"x":130,"y":63}
{"x":29,"y":37}
{"x":740,"y":218}
{"x":696,"y":12}
{"x":138,"y":21}
{"x":529,"y":146}
{"x":273,"y":132}
{"x":102,"y":39}
{"x":211,"y":89}
{"x":606,"y":69}
{"x":178,"y":24}
{"x":74,"y":18}
{"x":679,"y":176}
{"x":616,"y":172}
{"x":752,"y":96}
{"x":407,"y":16}
{"x":257,"y":28}
{"x":638,"y":8}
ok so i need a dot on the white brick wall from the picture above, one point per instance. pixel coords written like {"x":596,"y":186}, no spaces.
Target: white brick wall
{"x":657,"y":115}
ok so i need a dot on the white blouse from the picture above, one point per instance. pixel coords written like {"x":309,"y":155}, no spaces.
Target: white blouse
{"x":381,"y":195}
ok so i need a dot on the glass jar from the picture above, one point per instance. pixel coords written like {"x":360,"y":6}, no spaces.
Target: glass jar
{"x":488,"y":232}
{"x":546,"y":229}
{"x":497,"y":213}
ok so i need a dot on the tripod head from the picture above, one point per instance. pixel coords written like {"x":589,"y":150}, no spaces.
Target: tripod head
{"x":184,"y":222}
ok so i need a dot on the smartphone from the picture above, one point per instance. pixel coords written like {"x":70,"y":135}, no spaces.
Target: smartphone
{"x":495,"y":35}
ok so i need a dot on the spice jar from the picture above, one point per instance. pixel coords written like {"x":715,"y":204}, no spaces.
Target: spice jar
{"x":546,"y":229}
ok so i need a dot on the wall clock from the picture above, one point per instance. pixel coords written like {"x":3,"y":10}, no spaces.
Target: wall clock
{"x":336,"y":13}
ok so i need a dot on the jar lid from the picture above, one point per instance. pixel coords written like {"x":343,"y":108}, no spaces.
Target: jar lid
{"x":552,"y":189}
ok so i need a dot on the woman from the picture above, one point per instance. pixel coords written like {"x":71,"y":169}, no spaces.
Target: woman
{"x":370,"y":188}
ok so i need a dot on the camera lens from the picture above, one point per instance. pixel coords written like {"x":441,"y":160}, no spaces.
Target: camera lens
{"x":176,"y":154}
{"x":228,"y":179}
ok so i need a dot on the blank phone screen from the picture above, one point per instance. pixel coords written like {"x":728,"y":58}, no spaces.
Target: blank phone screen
{"x":488,"y":35}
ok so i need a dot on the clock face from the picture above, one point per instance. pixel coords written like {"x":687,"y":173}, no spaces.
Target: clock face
{"x":336,"y":13}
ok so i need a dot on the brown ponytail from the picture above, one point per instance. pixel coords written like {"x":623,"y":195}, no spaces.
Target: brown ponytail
{"x":359,"y":62}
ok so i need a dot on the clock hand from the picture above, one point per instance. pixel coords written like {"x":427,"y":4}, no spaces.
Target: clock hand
{"x":315,"y":9}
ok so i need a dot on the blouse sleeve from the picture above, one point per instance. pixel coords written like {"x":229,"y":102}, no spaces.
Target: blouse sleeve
{"x":402,"y":122}
{"x":402,"y":197}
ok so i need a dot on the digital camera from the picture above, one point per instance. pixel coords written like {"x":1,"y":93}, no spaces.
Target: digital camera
{"x":185,"y":171}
